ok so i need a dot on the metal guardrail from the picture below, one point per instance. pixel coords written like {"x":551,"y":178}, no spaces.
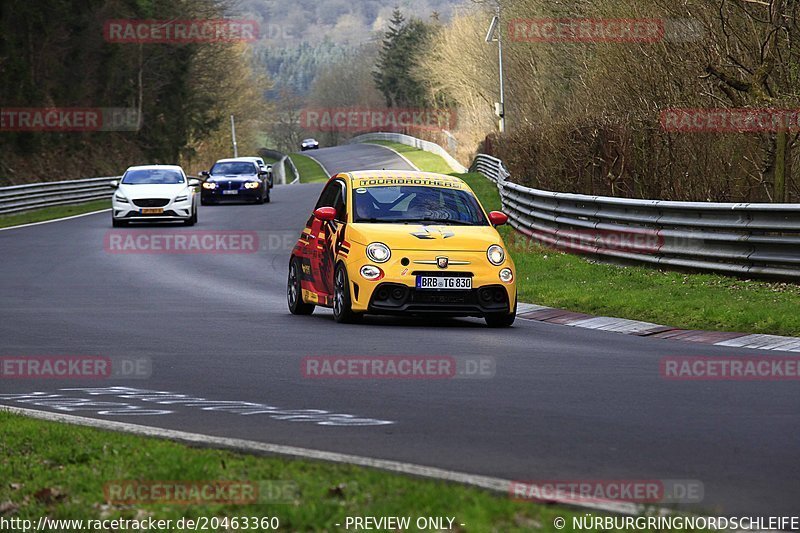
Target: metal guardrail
{"x":20,"y":198}
{"x":416,"y":143}
{"x":740,"y":239}
{"x":293,"y":173}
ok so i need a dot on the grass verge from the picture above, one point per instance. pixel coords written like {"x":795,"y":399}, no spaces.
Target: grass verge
{"x":60,"y":471}
{"x":685,"y":300}
{"x":51,"y":213}
{"x":310,"y":171}
{"x":421,"y":159}
{"x":691,"y":301}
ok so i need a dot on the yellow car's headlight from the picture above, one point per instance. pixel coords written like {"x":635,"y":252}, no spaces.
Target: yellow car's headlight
{"x":496,"y":255}
{"x":378,"y":252}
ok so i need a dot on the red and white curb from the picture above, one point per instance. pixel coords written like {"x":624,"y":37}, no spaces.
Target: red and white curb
{"x":561,"y":317}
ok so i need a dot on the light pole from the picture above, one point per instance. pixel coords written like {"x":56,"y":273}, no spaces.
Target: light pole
{"x":495,"y":35}
{"x":233,"y":135}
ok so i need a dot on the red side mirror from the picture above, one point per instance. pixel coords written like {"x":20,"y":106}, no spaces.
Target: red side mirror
{"x":325,"y":213}
{"x":497,"y":218}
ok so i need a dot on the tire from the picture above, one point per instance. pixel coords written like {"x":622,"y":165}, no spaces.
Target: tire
{"x":342,"y":302}
{"x":192,"y":220}
{"x":118,"y":223}
{"x":294,"y":292}
{"x":266,"y":197}
{"x":501,"y":320}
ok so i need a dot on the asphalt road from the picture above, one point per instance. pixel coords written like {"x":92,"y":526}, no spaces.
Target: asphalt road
{"x":565,"y":403}
{"x":358,"y":157}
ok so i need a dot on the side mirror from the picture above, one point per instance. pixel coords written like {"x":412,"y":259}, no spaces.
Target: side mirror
{"x":263,"y":173}
{"x":194,"y":182}
{"x":325,"y":214}
{"x":113,"y":184}
{"x":204,"y":173}
{"x":497,"y":218}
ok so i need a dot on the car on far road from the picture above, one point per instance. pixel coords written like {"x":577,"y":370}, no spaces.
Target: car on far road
{"x":309,"y":144}
{"x":234,"y":179}
{"x":154,"y":193}
{"x":414,"y":243}
{"x":265,"y":167}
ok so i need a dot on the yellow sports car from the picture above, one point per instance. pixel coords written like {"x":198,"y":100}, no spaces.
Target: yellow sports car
{"x":396,"y":242}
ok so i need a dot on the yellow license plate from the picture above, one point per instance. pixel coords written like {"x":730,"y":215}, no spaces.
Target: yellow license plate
{"x":152,"y":211}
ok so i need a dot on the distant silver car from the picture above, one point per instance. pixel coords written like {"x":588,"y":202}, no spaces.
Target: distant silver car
{"x":309,"y":144}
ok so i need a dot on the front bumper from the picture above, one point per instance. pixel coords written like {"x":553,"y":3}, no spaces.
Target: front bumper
{"x":219,"y":195}
{"x":129,"y":211}
{"x":396,"y":291}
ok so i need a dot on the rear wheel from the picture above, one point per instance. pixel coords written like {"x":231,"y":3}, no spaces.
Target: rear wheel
{"x":294,"y":291}
{"x":342,"y":303}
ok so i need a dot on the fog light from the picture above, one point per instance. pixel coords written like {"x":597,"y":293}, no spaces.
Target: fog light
{"x":506,"y":275}
{"x":398,"y":293}
{"x":371,"y":273}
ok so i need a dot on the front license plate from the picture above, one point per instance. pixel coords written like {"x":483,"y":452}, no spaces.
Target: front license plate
{"x":230,"y":192}
{"x":152,"y":211}
{"x":443,"y":283}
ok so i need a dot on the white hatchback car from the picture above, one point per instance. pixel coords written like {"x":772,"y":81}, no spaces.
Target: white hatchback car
{"x":157,"y":193}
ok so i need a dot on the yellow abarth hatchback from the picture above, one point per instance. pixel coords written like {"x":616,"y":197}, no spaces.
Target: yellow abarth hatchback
{"x":397,"y":242}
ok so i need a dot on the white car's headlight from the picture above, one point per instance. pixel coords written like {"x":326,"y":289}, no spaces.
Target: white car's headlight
{"x":379,"y":252}
{"x":496,"y":255}
{"x":121,"y":199}
{"x":181,"y":199}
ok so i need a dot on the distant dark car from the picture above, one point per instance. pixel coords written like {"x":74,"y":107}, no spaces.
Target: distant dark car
{"x":266,"y":168}
{"x":234,"y":179}
{"x":309,"y":144}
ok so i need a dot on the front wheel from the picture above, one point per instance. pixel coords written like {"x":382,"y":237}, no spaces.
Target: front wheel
{"x":294,"y":291}
{"x":501,"y":320}
{"x":192,"y":220}
{"x":342,"y":303}
{"x":118,"y":223}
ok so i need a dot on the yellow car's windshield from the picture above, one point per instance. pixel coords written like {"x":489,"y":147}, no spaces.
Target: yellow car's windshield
{"x":414,"y":204}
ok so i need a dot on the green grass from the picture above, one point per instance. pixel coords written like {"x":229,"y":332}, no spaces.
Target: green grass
{"x":50,"y":213}
{"x":60,"y":470}
{"x":310,"y":171}
{"x":425,"y":161}
{"x":692,"y":301}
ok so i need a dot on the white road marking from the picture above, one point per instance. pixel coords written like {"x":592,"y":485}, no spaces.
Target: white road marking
{"x":55,"y":220}
{"x":483,"y":482}
{"x":320,"y":164}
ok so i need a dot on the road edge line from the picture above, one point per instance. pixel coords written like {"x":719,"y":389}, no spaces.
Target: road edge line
{"x":482,"y":482}
{"x":61,"y":219}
